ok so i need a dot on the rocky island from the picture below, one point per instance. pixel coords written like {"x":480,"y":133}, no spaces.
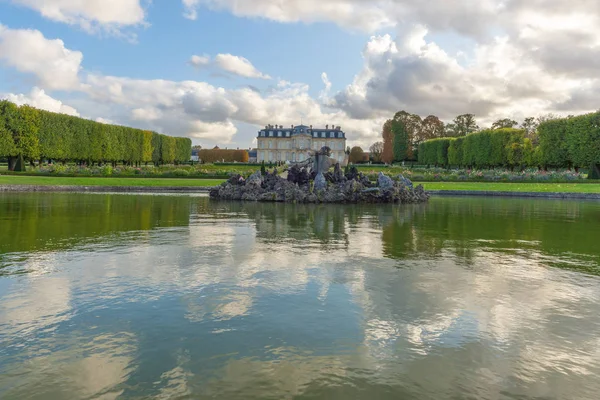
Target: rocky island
{"x":314,"y":182}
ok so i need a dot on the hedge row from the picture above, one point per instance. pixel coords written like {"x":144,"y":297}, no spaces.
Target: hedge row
{"x":215,"y":155}
{"x":570,"y":142}
{"x":485,"y":149}
{"x":36,"y":134}
{"x":434,"y":151}
{"x":566,"y":142}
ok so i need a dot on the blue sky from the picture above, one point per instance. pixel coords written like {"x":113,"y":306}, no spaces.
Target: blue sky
{"x":130,"y":62}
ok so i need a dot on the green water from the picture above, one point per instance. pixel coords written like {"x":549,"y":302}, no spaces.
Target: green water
{"x":108,"y":296}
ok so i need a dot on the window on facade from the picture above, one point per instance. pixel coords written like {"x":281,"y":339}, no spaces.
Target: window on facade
{"x":270,"y":144}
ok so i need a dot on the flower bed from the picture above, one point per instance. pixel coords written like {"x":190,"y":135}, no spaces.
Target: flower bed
{"x":474,"y":175}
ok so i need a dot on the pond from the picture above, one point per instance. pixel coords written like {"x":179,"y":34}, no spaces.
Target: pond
{"x":111,"y":296}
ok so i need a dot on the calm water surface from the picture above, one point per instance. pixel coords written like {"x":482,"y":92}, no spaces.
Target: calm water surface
{"x":180,"y":297}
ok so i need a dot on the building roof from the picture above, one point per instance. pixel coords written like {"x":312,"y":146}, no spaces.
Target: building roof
{"x":303,"y":130}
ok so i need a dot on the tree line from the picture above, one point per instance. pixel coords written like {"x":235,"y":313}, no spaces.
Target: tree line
{"x":571,"y":142}
{"x":30,"y":134}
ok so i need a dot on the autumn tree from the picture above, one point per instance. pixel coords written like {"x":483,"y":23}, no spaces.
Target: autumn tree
{"x":388,"y":143}
{"x":504,"y":123}
{"x":356,"y":155}
{"x":431,"y":128}
{"x":376,"y":150}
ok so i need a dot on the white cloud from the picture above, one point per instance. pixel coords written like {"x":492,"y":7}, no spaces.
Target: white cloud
{"x":39,"y":99}
{"x":239,"y":66}
{"x":510,"y":59}
{"x":504,"y":77}
{"x":467,"y":17}
{"x":324,"y":96}
{"x":229,"y":63}
{"x":104,"y":121}
{"x":54,"y":66}
{"x":190,"y":9}
{"x":203,"y":111}
{"x":91,"y":15}
{"x":200,"y":61}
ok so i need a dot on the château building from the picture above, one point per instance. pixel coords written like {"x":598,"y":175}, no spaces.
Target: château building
{"x":298,"y":143}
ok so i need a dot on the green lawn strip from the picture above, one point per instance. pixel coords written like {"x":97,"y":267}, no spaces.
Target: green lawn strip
{"x":515,"y":187}
{"x":93,"y":181}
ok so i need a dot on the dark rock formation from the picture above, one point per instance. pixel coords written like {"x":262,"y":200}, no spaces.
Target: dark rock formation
{"x":313,"y":182}
{"x":326,"y":188}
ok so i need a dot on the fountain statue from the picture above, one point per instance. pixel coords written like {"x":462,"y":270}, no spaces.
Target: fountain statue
{"x":312,"y":181}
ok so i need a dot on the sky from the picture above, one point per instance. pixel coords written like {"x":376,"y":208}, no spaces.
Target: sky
{"x":218,"y":70}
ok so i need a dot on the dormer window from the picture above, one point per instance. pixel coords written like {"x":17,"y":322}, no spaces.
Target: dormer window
{"x":279,"y":134}
{"x":340,"y":135}
{"x":323,"y":134}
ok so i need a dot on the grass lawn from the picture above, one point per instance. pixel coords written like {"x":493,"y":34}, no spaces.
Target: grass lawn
{"x":515,"y":187}
{"x":167,"y":182}
{"x":97,"y":181}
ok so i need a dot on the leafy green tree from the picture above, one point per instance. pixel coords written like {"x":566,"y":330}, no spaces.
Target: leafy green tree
{"x":529,"y":125}
{"x":401,"y":140}
{"x":7,"y":144}
{"x":413,"y":126}
{"x":463,"y":125}
{"x":504,"y":123}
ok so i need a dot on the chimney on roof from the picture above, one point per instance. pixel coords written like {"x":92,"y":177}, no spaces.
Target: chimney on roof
{"x":292,"y":126}
{"x":326,"y":126}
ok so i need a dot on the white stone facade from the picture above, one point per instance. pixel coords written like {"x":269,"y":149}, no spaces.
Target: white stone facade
{"x":297,"y":144}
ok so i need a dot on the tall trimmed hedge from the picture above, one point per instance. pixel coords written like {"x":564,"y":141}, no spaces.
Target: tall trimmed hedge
{"x":35,"y":134}
{"x":570,"y":142}
{"x":434,"y":151}
{"x":484,"y":149}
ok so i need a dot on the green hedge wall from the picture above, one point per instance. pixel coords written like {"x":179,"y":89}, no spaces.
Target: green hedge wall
{"x":36,"y":134}
{"x":570,"y":142}
{"x":434,"y":152}
{"x":484,"y":149}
